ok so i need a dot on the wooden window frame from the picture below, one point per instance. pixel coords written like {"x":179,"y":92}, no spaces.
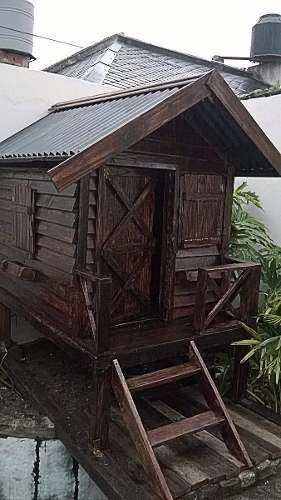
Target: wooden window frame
{"x":184,"y":243}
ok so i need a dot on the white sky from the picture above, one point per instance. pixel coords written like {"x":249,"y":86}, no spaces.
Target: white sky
{"x":198,"y":27}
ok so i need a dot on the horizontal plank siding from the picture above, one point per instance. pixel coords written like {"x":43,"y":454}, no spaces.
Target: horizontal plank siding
{"x":55,"y":218}
{"x":56,"y":202}
{"x":53,"y":296}
{"x":5,"y":193}
{"x":55,"y":259}
{"x":57,"y":246}
{"x":91,"y":227}
{"x":55,"y":231}
{"x":6,"y":216}
{"x":6,"y":203}
{"x":6,"y":238}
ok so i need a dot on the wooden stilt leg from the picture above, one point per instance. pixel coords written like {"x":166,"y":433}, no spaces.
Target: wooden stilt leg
{"x":99,"y":427}
{"x":240,"y":374}
{"x":5,"y":325}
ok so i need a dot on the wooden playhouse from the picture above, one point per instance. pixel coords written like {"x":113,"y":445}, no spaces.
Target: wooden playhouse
{"x":114,"y":242}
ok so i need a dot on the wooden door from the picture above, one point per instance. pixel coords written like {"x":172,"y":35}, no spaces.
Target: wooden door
{"x":129,"y":239}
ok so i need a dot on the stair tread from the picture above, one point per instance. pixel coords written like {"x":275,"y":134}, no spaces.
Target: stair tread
{"x":164,"y":376}
{"x":189,"y":425}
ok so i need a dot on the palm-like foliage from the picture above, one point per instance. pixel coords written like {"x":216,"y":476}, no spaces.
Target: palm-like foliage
{"x":271,"y":264}
{"x":251,"y":241}
{"x":249,"y":237}
{"x":265,"y":356}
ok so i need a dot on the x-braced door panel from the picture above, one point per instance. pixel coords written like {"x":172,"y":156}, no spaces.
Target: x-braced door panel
{"x":128,"y":238}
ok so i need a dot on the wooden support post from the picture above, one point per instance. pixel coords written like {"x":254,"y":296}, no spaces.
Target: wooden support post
{"x":102,"y":396}
{"x":227,"y":211}
{"x":249,"y":298}
{"x":200,"y":301}
{"x":103,"y":307}
{"x":240,"y":374}
{"x":5,"y":325}
{"x":249,"y":295}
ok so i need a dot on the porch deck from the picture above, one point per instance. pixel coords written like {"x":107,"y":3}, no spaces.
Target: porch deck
{"x":197,"y":465}
{"x":161,"y":339}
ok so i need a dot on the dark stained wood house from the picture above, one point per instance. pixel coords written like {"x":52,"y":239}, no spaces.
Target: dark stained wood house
{"x":115,"y":225}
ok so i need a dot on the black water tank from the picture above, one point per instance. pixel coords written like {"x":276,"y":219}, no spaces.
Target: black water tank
{"x":266,"y":38}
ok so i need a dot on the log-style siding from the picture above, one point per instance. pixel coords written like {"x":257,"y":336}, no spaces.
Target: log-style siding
{"x":55,"y":225}
{"x":54,"y":294}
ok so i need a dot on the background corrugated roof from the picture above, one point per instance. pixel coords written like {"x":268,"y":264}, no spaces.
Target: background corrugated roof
{"x":137,"y":63}
{"x":68,"y":131}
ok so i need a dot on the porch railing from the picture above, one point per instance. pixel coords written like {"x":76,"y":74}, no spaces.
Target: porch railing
{"x":235,"y":287}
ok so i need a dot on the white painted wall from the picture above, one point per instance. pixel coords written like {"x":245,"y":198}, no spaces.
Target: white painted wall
{"x":26,"y":95}
{"x":56,"y":478}
{"x":267,"y":113}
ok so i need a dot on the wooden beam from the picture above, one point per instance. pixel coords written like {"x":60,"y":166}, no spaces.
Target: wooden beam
{"x":100,"y":418}
{"x":103,"y":307}
{"x":230,"y":293}
{"x":69,"y":171}
{"x":227,"y":211}
{"x":200,"y":301}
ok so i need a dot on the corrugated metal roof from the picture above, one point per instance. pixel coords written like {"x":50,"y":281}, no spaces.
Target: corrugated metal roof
{"x":96,"y":129}
{"x":68,"y":131}
{"x":138,"y":63}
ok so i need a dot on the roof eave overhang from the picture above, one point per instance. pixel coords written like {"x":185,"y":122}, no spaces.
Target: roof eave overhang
{"x":210,"y":85}
{"x":244,"y":119}
{"x":92,"y":157}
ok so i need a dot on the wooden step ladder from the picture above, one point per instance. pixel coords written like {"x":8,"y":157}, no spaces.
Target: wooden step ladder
{"x":216,"y":416}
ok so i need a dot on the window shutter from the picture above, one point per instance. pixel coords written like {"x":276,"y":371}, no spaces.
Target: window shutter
{"x":201,"y":210}
{"x":23,"y":198}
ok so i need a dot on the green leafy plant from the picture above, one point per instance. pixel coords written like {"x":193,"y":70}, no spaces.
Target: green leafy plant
{"x":265,"y":357}
{"x":271,"y":265}
{"x":250,"y":240}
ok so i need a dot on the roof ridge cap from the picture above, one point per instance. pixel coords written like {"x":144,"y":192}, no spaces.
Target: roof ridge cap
{"x":119,"y":94}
